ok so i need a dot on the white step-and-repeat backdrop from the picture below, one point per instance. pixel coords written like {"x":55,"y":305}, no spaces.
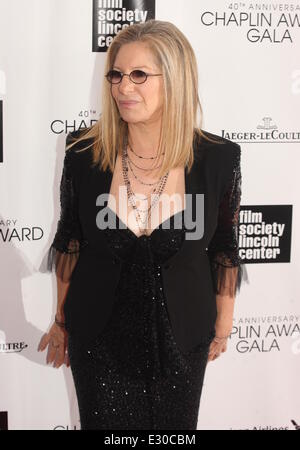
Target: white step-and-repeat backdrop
{"x":52,"y":60}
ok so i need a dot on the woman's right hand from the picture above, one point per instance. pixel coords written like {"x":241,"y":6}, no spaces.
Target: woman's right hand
{"x":57,"y":341}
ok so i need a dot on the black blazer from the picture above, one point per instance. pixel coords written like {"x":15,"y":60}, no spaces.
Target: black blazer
{"x":191,"y":278}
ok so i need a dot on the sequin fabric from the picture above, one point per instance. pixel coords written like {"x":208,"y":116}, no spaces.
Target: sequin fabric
{"x":226,"y":264}
{"x":134,"y":376}
{"x":68,"y":240}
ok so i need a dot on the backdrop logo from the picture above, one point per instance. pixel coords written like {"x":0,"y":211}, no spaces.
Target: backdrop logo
{"x":84,"y":119}
{"x":266,"y":132}
{"x":11,"y":232}
{"x":111,"y":16}
{"x":265,"y":233}
{"x":12,"y":347}
{"x":264,"y":334}
{"x":273,"y":23}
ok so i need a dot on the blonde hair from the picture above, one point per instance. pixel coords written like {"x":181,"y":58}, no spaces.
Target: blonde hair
{"x":176,"y":60}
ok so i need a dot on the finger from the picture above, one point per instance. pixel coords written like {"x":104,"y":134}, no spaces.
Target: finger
{"x":51,"y":354}
{"x":215,"y":344}
{"x":211,"y":353}
{"x":218,"y":348}
{"x":59,"y":357}
{"x":211,"y":356}
{"x":43,"y":342}
{"x":223,"y":348}
{"x":214,"y":350}
{"x":57,"y":361}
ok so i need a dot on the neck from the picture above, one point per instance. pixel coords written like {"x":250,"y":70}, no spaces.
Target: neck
{"x":144,"y":139}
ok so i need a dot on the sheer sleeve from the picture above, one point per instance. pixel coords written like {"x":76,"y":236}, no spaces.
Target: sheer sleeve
{"x":68,"y":240}
{"x":226,"y":265}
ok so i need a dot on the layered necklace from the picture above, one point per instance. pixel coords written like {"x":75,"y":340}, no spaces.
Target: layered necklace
{"x":155,"y":193}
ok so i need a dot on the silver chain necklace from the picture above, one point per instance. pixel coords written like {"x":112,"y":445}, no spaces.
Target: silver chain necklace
{"x":146,"y":197}
{"x":131,"y":195}
{"x":142,"y":157}
{"x":142,"y":168}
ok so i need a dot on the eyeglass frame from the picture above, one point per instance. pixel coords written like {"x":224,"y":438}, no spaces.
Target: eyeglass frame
{"x":128,"y":75}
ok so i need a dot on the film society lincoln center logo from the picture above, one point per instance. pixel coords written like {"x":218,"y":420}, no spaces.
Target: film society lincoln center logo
{"x":265,"y":233}
{"x":111,"y":16}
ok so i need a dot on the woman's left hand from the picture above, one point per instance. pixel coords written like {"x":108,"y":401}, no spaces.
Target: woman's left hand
{"x":217,"y":347}
{"x":223,"y":328}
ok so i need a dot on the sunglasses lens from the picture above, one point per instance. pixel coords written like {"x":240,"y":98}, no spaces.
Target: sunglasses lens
{"x":114,"y":76}
{"x":138,"y":76}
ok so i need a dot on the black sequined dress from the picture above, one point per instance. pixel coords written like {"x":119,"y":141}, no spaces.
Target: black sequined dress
{"x":134,"y":376}
{"x":133,"y":373}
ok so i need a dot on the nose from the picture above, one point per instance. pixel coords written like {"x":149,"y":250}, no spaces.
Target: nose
{"x":125,"y":84}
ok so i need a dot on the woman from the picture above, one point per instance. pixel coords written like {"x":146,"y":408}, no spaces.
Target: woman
{"x":141,"y":308}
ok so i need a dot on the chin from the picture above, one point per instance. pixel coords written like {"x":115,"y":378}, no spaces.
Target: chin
{"x":129,"y":119}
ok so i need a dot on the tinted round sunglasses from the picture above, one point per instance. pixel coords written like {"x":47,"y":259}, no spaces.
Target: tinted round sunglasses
{"x":136,"y":76}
